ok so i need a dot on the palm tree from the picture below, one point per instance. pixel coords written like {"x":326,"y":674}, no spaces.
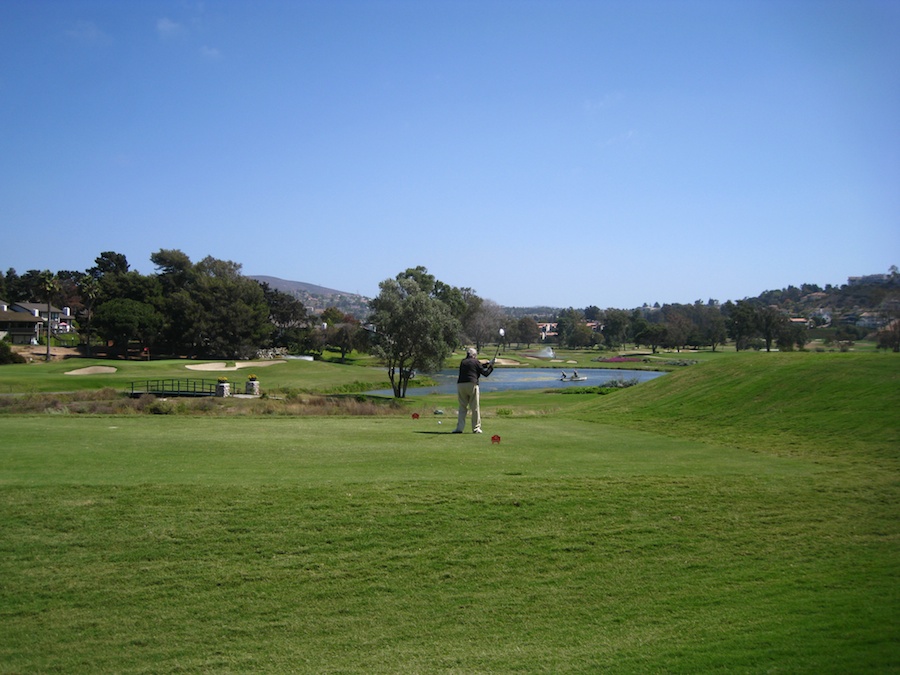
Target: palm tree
{"x":89,"y":288}
{"x":49,"y":287}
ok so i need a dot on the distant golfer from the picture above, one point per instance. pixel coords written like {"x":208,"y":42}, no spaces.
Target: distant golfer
{"x":470,"y":370}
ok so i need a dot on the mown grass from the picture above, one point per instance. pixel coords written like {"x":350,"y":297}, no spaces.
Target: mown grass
{"x":813,"y":403}
{"x":291,"y":375}
{"x":692,"y":574}
{"x":655,"y":529}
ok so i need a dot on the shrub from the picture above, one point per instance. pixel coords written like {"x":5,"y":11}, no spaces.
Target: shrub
{"x":7,"y":355}
{"x":620,"y":383}
{"x":161,"y":406}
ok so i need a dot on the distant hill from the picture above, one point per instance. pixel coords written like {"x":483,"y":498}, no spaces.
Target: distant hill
{"x":871,"y":293}
{"x":317,"y":298}
{"x":292,"y":287}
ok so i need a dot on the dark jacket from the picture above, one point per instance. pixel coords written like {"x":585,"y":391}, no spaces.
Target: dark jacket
{"x":471,"y":369}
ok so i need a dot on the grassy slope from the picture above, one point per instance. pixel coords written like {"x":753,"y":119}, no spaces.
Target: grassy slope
{"x":806,"y":403}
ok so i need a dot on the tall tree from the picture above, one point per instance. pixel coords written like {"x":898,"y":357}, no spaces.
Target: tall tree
{"x":31,"y":285}
{"x":122,"y":320}
{"x":109,"y":262}
{"x":593,"y":313}
{"x":174,"y":268}
{"x":483,"y":326}
{"x":49,"y":287}
{"x":89,"y":290}
{"x":742,"y":322}
{"x":414,"y":331}
{"x":288,"y":318}
{"x":581,"y":336}
{"x":462,"y":302}
{"x":615,"y":327}
{"x":712,"y":326}
{"x":345,"y":336}
{"x":792,"y":335}
{"x":678,"y":330}
{"x":233,"y":316}
{"x":772,"y":323}
{"x":69,"y":289}
{"x":527,"y":331}
{"x":211,"y":309}
{"x":15,"y":292}
{"x":566,"y":322}
{"x":651,"y":335}
{"x":132,"y":285}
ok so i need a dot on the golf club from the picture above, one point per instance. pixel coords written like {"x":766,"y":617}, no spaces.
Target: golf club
{"x":499,"y":342}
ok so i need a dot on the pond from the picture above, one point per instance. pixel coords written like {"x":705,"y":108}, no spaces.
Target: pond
{"x":506,"y":379}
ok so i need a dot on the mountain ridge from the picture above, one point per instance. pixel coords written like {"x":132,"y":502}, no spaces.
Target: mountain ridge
{"x":288,"y":286}
{"x":317,"y":298}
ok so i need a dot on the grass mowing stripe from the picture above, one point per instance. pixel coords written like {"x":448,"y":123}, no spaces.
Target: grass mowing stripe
{"x":172,"y":449}
{"x":538,"y":575}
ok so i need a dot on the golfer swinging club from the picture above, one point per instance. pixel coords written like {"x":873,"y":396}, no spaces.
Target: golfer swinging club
{"x":470,"y":369}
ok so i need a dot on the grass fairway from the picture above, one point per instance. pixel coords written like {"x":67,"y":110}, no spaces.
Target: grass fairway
{"x":64,"y":375}
{"x":656,"y":529}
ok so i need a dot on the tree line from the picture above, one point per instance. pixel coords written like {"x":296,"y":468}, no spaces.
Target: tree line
{"x":747,"y":324}
{"x":202,"y":309}
{"x":209,"y":309}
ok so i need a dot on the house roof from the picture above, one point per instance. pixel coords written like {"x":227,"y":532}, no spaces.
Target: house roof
{"x":19,"y":317}
{"x":40,"y":306}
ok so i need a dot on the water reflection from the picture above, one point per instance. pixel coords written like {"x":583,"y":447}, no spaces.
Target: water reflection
{"x":506,"y":379}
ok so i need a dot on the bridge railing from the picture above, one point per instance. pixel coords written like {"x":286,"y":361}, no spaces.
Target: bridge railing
{"x":174,"y":386}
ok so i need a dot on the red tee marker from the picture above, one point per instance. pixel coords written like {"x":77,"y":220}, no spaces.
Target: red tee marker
{"x":415,"y":416}
{"x":495,"y":439}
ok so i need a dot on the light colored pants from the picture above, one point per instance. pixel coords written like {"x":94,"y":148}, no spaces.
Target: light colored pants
{"x":467,"y":393}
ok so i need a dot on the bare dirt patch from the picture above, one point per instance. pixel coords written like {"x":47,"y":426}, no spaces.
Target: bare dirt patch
{"x":39,"y":352}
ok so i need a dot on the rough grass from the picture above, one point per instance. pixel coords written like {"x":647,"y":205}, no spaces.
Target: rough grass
{"x":108,"y":401}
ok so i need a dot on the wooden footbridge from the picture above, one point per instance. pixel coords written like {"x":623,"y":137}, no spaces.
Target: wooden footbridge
{"x":174,"y":386}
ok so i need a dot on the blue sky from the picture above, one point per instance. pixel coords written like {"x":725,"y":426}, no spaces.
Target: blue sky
{"x":564,"y":153}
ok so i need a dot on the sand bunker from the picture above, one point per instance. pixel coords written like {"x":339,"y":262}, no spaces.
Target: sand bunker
{"x":93,"y":370}
{"x":506,"y":362}
{"x":220,"y":366}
